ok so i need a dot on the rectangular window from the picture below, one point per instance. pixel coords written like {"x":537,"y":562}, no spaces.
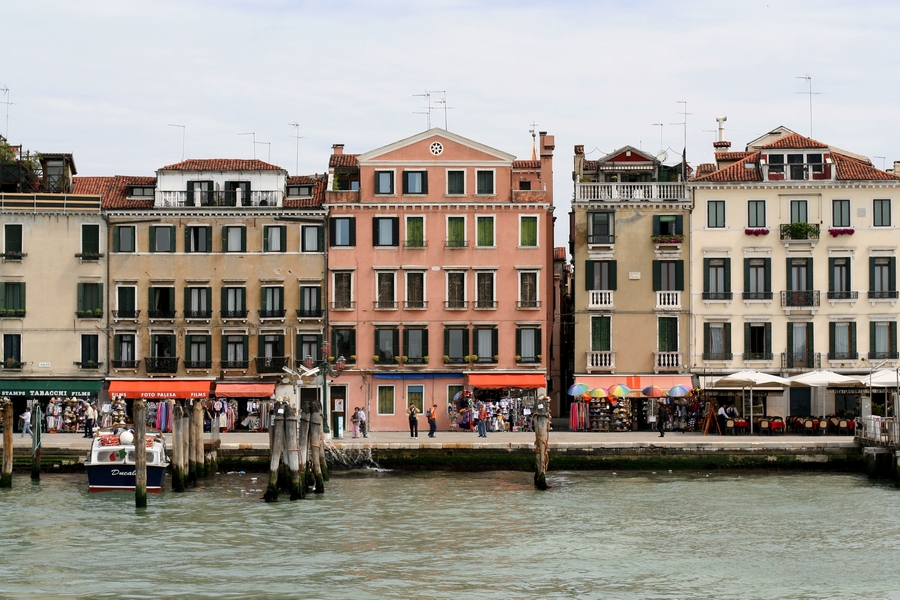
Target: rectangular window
{"x":300,"y":190}
{"x":162,"y":346}
{"x":343,"y":290}
{"x":415,"y":345}
{"x":415,"y":182}
{"x":839,"y":278}
{"x":799,"y":213}
{"x":384,"y":182}
{"x":343,"y":231}
{"x":235,"y":351}
{"x":757,"y":279}
{"x":387,"y":345}
{"x":668,"y":334}
{"x":234,"y":239}
{"x":198,"y":239}
{"x":757,"y":341}
{"x":415,"y":395}
{"x":716,"y":279}
{"x":12,"y":298}
{"x":715,"y":213}
{"x":162,"y":239}
{"x":456,"y":289}
{"x":237,"y":193}
{"x":600,"y":274}
{"x":456,"y":183}
{"x":234,"y":302}
{"x":385,"y":399}
{"x":90,"y":240}
{"x":883,"y":340}
{"x":601,"y":334}
{"x":528,"y":292}
{"x":90,"y":353}
{"x":456,"y":345}
{"x":310,"y":346}
{"x":842,"y":343}
{"x":415,"y":290}
{"x":415,"y":232}
{"x":840,"y":213}
{"x":197,"y":302}
{"x":486,"y":344}
{"x":271,"y":345}
{"x":456,"y":232}
{"x":484,"y":182}
{"x":310,"y":301}
{"x":797,"y":166}
{"x":525,"y":186}
{"x":12,"y":351}
{"x":386,"y":297}
{"x":800,"y":345}
{"x":484,"y":289}
{"x":882,"y":216}
{"x":272,"y":302}
{"x":528,"y":232}
{"x":197,"y":347}
{"x":312,"y":238}
{"x":386,"y":231}
{"x":126,"y":302}
{"x":199,"y":193}
{"x":756,"y":213}
{"x":667,"y":225}
{"x":714,"y":342}
{"x":12,"y":239}
{"x":776,"y":163}
{"x":123,"y":238}
{"x":343,"y":343}
{"x":882,"y":277}
{"x":668,"y":275}
{"x":601,"y":228}
{"x":123,"y":350}
{"x":485,"y":231}
{"x":161,"y":303}
{"x":90,"y":300}
{"x":528,"y":344}
{"x":275,"y":238}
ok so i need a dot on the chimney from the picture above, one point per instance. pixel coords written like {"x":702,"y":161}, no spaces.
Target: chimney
{"x":720,"y":144}
{"x":896,"y":170}
{"x":547,"y":145}
{"x":578,"y":173}
{"x":337,"y":149}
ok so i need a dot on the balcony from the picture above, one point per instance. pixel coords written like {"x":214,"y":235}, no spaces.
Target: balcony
{"x":456,"y":304}
{"x":838,"y":356}
{"x":12,"y":256}
{"x":842,"y":295}
{"x":96,"y":313}
{"x":160,"y":364}
{"x":456,"y":244}
{"x":183,"y":199}
{"x":799,"y":231}
{"x":883,"y":355}
{"x":12,"y":364}
{"x":233,"y":314}
{"x":89,"y":365}
{"x":668,"y":300}
{"x":415,"y":304}
{"x":751,"y":356}
{"x":198,"y":364}
{"x":161,"y":315}
{"x":485,"y":304}
{"x":630,"y":192}
{"x":800,"y":299}
{"x":601,"y":240}
{"x":271,"y":364}
{"x":12,"y":313}
{"x":718,"y":356}
{"x":801,"y":360}
{"x":89,"y":256}
{"x":129,"y":314}
{"x":756,"y":295}
{"x":343,"y":305}
{"x":718,"y":295}
{"x":126,"y":364}
{"x":272,"y":313}
{"x":310,"y":313}
{"x":204,"y":314}
{"x":600,"y":299}
{"x":384,"y":305}
{"x":528,"y":360}
{"x":601,"y":362}
{"x":667,"y":362}
{"x":889,"y":295}
{"x":797,"y":171}
{"x":528,"y":304}
{"x":242,"y":365}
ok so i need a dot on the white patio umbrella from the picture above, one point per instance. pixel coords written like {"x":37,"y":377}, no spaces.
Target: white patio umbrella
{"x":751,"y":379}
{"x":820,"y":378}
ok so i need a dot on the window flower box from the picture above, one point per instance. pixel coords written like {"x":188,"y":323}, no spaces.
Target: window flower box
{"x":836,"y":231}
{"x":756,"y":231}
{"x":667,"y":239}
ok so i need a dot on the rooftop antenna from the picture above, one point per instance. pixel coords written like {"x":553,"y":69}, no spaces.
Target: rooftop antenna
{"x":269,"y":156}
{"x":811,"y":94}
{"x":684,"y":151}
{"x":426,"y":95}
{"x":533,"y":132}
{"x":442,"y":101}
{"x":253,"y":133}
{"x":882,"y":161}
{"x":298,"y":136}
{"x":662,"y":155}
{"x":182,"y":138}
{"x":5,"y":90}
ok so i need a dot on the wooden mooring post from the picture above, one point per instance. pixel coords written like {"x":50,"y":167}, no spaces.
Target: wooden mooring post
{"x":303,"y":442}
{"x":6,"y":473}
{"x":197,"y":440}
{"x":212,"y":457}
{"x":179,"y":477}
{"x":541,"y":421}
{"x":316,"y":439}
{"x":36,"y":435}
{"x":140,"y":453}
{"x":186,"y":443}
{"x":292,"y":451}
{"x":276,"y":450}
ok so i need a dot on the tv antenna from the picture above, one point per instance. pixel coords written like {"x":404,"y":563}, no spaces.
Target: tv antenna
{"x":811,"y":94}
{"x":882,"y":161}
{"x":182,"y":138}
{"x":5,"y":90}
{"x":299,"y":137}
{"x":253,"y":133}
{"x":533,"y":132}
{"x":684,"y":151}
{"x":427,"y":96}
{"x":662,"y":155}
{"x":443,"y":102}
{"x":269,"y":144}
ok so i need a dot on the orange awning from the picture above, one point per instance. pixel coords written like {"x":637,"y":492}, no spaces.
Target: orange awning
{"x":504,"y":380}
{"x":245,"y":390}
{"x":154,"y":389}
{"x":635,"y":382}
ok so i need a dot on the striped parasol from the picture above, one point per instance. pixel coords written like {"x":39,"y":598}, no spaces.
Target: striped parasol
{"x":618,"y":390}
{"x":578,"y":389}
{"x":598,"y":393}
{"x":679,"y":391}
{"x":653,"y":391}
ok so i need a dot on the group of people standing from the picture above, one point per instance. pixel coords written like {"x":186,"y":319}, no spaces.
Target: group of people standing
{"x":413,"y":413}
{"x":358,"y":421}
{"x":90,"y":419}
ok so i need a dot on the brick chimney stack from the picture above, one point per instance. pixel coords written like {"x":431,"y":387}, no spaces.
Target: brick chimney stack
{"x":548,"y":144}
{"x":337,"y":149}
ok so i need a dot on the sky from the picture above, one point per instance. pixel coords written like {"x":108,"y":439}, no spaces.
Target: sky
{"x":106,"y":81}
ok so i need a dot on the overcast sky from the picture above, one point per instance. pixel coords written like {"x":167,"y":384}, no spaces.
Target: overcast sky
{"x":104,"y":80}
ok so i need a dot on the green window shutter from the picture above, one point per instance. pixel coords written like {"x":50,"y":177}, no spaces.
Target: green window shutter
{"x":243,"y":239}
{"x":789,"y":287}
{"x":831,"y":277}
{"x":283,"y":235}
{"x":243,"y":295}
{"x":425,"y":182}
{"x":768,"y":275}
{"x":612,"y":275}
{"x":151,"y":305}
{"x":90,"y":239}
{"x":280,"y":295}
{"x":223,"y":348}
{"x":265,"y":239}
{"x":172,"y":238}
{"x":679,"y":224}
{"x":537,"y":342}
{"x":809,"y":274}
{"x":117,"y":347}
{"x":768,"y":338}
{"x":80,"y":296}
{"x":396,"y":337}
{"x":871,"y":340}
{"x":187,"y":239}
{"x":280,"y":345}
{"x":852,"y":338}
{"x":790,"y":344}
{"x":352,"y":230}
{"x":224,"y":239}
{"x":849,"y":274}
{"x":116,"y":239}
{"x":657,"y":276}
{"x":375,"y":348}
{"x":187,"y":299}
{"x":171,"y":291}
{"x":495,"y":345}
{"x":832,"y":330}
{"x":727,"y":276}
{"x":518,"y":342}
{"x":706,"y":274}
{"x":892,"y":274}
{"x":208,"y":341}
{"x":746,"y":337}
{"x":246,"y":342}
{"x":466,"y":348}
{"x":208,"y":238}
{"x":446,"y":342}
{"x":727,"y":335}
{"x":320,"y":231}
{"x":425,"y":343}
{"x":893,"y":338}
{"x":656,"y":227}
{"x":223,"y":299}
{"x":706,"y":338}
{"x":99,"y":296}
{"x":406,"y":341}
{"x":746,"y":275}
{"x":395,"y":231}
{"x":871,"y":273}
{"x":152,"y":239}
{"x":588,"y":274}
{"x":679,"y":275}
{"x":810,"y":339}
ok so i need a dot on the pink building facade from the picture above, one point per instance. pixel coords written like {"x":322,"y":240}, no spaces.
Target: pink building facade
{"x":439,"y":275}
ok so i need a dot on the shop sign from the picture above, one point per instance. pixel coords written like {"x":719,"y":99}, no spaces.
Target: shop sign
{"x":44,"y":365}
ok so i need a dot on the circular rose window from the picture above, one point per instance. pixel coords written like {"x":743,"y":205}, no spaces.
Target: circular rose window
{"x":436,"y":148}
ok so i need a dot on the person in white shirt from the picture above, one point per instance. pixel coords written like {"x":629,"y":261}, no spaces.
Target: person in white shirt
{"x":723,"y":416}
{"x":363,"y":424}
{"x":90,"y":417}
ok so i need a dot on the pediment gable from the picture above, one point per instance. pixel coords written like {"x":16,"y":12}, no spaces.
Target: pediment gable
{"x":627,"y":154}
{"x":435,"y":145}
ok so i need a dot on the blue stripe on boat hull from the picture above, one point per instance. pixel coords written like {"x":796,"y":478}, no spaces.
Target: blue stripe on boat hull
{"x":107,"y":478}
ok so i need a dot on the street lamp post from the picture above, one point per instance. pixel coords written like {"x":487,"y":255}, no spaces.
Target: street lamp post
{"x":327,"y":370}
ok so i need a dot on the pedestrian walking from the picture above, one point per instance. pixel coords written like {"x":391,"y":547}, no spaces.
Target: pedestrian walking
{"x":662,"y":419}
{"x":90,"y":417}
{"x":26,"y":423}
{"x":482,"y":420}
{"x":354,"y":420}
{"x":363,"y":424}
{"x":432,"y":420}
{"x":413,"y":413}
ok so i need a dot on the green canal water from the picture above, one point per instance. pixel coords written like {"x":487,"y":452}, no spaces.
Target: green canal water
{"x":460,"y":535}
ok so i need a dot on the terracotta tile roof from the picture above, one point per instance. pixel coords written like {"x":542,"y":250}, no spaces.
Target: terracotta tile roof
{"x":526,"y":164}
{"x":221,"y":164}
{"x":705,"y":169}
{"x":343,"y":160}
{"x":590,"y":165}
{"x":735,"y":172}
{"x":318,"y":195}
{"x":853,"y":169}
{"x":559,"y":253}
{"x":729,"y":156}
{"x":91,"y":186}
{"x":794,"y":141}
{"x":114,"y":190}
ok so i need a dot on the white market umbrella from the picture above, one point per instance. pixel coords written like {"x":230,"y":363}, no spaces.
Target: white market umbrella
{"x":751,"y":379}
{"x":820,"y":378}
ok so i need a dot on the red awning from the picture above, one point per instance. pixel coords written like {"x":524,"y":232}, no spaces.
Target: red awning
{"x":636,"y":382}
{"x":504,"y":380}
{"x":245,"y":390}
{"x":154,"y":389}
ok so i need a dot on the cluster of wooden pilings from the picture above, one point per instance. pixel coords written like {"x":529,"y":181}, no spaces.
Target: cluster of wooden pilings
{"x":540,"y":421}
{"x":8,"y":421}
{"x":297,"y":453}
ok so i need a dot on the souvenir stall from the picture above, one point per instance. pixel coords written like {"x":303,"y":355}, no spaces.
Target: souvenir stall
{"x":161,"y":394}
{"x":610,"y":414}
{"x":243,"y":406}
{"x":114,"y":412}
{"x":159,"y":415}
{"x":507,"y":397}
{"x":54,"y":397}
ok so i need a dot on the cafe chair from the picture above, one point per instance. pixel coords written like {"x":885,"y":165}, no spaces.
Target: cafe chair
{"x":843,"y":427}
{"x":808,"y":428}
{"x":823,"y":427}
{"x":764,"y":428}
{"x":729,"y":427}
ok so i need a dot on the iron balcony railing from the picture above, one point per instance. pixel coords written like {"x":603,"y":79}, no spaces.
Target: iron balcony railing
{"x":198,"y":314}
{"x":843,"y":295}
{"x":757,"y":356}
{"x":883,"y":295}
{"x":128,"y":313}
{"x":718,"y":295}
{"x":161,"y":314}
{"x":624,"y":192}
{"x":271,"y":364}
{"x":757,"y":295}
{"x":178,"y":199}
{"x":89,"y":365}
{"x":415,"y":304}
{"x":800,"y":298}
{"x":456,"y":304}
{"x":801,"y":360}
{"x":486,"y":304}
{"x":843,"y":355}
{"x":159,"y":364}
{"x":272,"y":313}
{"x":235,"y":364}
{"x":233,"y":314}
{"x":600,"y":239}
{"x":718,"y":356}
{"x":198,"y":364}
{"x":310,"y":313}
{"x":126,"y":364}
